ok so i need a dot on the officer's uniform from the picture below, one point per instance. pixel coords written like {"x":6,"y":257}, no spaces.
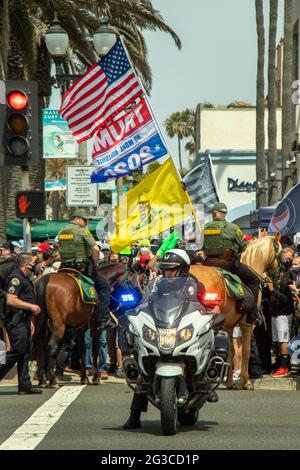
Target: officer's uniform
{"x":223,"y":244}
{"x":17,"y":322}
{"x":75,"y":245}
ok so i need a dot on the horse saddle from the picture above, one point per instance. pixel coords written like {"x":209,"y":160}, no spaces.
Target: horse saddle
{"x":234,"y":284}
{"x":86,"y":288}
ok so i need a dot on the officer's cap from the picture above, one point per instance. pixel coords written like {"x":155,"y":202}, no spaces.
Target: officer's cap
{"x":80,"y":213}
{"x":220,"y":207}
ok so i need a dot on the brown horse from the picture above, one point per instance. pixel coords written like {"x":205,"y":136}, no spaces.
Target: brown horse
{"x":59,"y":298}
{"x":262,"y":256}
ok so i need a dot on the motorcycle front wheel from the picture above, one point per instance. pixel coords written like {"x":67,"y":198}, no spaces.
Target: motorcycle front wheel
{"x":168,"y":408}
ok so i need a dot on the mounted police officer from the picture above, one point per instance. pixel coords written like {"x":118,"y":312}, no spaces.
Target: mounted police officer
{"x":79,"y":250}
{"x":20,"y":307}
{"x":223,"y":245}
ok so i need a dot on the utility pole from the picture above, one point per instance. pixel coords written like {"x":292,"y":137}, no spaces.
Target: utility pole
{"x":26,"y":221}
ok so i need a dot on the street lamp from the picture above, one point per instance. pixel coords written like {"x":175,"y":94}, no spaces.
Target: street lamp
{"x":57,"y":41}
{"x":104,"y":38}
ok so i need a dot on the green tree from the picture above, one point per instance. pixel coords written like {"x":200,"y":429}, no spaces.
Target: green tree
{"x":180,"y":124}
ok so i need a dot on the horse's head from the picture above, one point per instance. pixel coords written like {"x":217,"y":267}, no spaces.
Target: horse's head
{"x":273,"y":266}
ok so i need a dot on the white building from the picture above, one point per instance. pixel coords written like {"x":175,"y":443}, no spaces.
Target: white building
{"x":229,"y":135}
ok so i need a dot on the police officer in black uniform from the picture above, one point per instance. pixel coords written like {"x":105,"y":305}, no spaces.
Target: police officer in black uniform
{"x":20,"y":307}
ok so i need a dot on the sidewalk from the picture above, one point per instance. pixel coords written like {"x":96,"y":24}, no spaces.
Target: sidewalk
{"x":291,"y":383}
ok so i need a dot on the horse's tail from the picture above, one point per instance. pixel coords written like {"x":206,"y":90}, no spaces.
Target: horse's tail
{"x":40,"y":295}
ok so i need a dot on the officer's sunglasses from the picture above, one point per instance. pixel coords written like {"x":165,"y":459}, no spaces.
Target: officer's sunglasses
{"x":31,"y":265}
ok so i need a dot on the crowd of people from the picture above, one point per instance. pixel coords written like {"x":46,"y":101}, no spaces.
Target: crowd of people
{"x":272,"y":349}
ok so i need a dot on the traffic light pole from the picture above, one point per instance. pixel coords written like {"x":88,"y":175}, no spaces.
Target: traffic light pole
{"x":26,"y":221}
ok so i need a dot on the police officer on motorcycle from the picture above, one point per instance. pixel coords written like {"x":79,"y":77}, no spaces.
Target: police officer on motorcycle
{"x":174,"y":263}
{"x":223,"y":245}
{"x":79,"y":250}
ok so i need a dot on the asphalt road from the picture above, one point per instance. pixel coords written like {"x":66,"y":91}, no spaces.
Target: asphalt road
{"x":261,"y":419}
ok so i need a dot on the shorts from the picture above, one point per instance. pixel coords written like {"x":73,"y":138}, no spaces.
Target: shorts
{"x":281,"y":327}
{"x":237,"y":332}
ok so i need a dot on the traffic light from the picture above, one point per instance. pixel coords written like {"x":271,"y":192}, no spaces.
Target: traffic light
{"x":20,"y":143}
{"x":30,"y":205}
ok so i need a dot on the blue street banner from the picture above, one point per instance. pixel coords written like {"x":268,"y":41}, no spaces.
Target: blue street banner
{"x":286,"y":217}
{"x":126,"y":144}
{"x":58,"y":141}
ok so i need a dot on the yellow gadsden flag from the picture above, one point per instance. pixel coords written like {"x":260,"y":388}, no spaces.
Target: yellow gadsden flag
{"x":154,"y":205}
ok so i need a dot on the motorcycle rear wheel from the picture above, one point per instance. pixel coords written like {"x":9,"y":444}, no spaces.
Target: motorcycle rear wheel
{"x":168,"y":408}
{"x":189,"y":418}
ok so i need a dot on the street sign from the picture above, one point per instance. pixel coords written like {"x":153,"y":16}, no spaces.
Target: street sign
{"x":80,"y":190}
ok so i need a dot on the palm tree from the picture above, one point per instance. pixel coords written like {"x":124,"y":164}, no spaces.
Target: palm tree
{"x":272,"y":106}
{"x":260,"y":106}
{"x":180,"y":124}
{"x":286,"y":129}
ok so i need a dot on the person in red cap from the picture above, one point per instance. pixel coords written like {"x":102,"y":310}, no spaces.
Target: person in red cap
{"x":43,"y":247}
{"x":248,"y":237}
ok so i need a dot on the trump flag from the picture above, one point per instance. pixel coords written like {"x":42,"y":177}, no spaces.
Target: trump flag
{"x":126,"y":144}
{"x":286,"y":217}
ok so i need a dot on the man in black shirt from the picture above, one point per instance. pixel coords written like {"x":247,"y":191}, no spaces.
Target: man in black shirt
{"x":20,"y":307}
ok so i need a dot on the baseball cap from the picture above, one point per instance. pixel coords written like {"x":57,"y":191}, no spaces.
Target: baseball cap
{"x":80,"y":213}
{"x":16,"y":244}
{"x":43,"y":247}
{"x":105,"y":246}
{"x":220,"y":207}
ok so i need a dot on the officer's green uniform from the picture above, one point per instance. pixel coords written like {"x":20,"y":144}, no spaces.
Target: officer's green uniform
{"x":75,"y":243}
{"x":224,"y":240}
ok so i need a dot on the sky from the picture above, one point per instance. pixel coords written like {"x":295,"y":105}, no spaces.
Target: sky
{"x":217,"y":62}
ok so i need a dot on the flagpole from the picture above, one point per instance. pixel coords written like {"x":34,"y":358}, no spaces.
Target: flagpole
{"x":154,"y":118}
{"x":145,"y":95}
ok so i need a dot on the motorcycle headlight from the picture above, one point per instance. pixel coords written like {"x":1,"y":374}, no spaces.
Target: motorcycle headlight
{"x":185,"y":334}
{"x":166,"y":338}
{"x":149,"y":335}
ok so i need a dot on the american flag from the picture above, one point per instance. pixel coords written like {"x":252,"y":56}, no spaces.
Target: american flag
{"x":201,"y":186}
{"x":104,"y":91}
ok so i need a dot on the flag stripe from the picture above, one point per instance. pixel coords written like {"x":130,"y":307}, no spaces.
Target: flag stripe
{"x":200,"y":185}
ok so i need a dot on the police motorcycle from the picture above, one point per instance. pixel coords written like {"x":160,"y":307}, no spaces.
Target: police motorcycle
{"x":176,"y":359}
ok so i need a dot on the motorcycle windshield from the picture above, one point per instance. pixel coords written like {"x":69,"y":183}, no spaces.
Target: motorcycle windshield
{"x":168,"y":298}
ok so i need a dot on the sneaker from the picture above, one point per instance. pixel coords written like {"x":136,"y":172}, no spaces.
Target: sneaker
{"x":236,"y":375}
{"x":281,"y":372}
{"x":120,"y":372}
{"x":103,"y":375}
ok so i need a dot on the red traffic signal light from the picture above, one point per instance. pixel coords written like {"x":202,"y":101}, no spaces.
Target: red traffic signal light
{"x":30,"y":205}
{"x":17,"y":100}
{"x":20,"y":129}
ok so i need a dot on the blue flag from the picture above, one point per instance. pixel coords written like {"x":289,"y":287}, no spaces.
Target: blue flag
{"x":286,"y":217}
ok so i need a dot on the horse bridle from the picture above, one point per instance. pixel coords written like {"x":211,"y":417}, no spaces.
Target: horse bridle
{"x":275,"y":273}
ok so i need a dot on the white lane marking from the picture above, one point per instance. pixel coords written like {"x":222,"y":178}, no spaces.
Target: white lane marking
{"x":33,"y":431}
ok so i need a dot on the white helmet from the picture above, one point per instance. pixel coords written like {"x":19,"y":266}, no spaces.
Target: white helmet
{"x":176,"y":258}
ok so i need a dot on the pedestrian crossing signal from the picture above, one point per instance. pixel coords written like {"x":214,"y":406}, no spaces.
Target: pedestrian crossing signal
{"x":30,"y":205}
